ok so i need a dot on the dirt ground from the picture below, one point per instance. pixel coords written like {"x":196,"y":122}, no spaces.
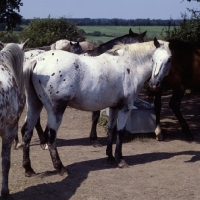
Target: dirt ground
{"x":167,"y":170}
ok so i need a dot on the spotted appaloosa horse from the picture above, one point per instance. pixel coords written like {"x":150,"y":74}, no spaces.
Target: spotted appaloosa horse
{"x":129,"y":38}
{"x":12,"y":101}
{"x":57,"y":79}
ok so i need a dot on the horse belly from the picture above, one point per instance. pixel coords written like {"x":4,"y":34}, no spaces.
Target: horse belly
{"x":11,"y":105}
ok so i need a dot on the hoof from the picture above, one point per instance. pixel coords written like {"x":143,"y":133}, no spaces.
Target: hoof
{"x":110,"y":161}
{"x":44,"y":146}
{"x":64,"y":171}
{"x":6,"y":197}
{"x":158,"y":132}
{"x":189,"y":137}
{"x":160,"y":138}
{"x":30,"y":173}
{"x":123,"y":164}
{"x":17,"y":145}
{"x":96,"y":143}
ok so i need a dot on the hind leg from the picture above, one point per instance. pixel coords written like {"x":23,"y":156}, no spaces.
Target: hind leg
{"x":33,"y":112}
{"x":93,"y":134}
{"x":40,"y":132}
{"x":50,"y":133}
{"x":16,"y":143}
{"x":7,"y":141}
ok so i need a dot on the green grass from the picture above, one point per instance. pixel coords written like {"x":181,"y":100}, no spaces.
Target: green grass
{"x":116,"y":31}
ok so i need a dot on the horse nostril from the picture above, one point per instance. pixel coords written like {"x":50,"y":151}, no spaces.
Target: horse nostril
{"x":158,"y":83}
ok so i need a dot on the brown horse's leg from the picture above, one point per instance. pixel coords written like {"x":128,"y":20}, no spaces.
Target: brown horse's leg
{"x":158,"y":105}
{"x":93,"y":134}
{"x":40,"y":132}
{"x":16,"y":143}
{"x":175,"y":104}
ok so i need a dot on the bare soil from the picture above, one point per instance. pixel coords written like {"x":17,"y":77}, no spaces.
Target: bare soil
{"x":167,"y":170}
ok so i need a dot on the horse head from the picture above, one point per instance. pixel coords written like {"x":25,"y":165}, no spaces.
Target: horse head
{"x":161,"y":65}
{"x":76,"y":48}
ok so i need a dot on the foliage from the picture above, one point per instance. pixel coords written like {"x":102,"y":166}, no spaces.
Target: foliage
{"x":8,"y":16}
{"x":189,"y":29}
{"x":43,"y":32}
{"x":7,"y":37}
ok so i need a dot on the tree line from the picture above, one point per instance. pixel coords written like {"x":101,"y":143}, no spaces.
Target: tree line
{"x":117,"y":22}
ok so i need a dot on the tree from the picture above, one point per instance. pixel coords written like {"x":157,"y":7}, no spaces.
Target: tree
{"x":189,"y":29}
{"x":42,"y":32}
{"x":8,"y":15}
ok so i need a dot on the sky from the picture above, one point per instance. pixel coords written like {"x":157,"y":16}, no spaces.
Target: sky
{"x":122,"y":9}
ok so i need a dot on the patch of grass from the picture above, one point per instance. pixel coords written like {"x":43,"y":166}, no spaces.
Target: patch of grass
{"x":117,"y":31}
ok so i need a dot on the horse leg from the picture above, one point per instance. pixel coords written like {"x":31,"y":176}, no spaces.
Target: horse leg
{"x":33,"y":113}
{"x":175,"y":104}
{"x":54,"y":121}
{"x":158,"y":105}
{"x":7,"y":141}
{"x":16,"y":143}
{"x":93,"y":134}
{"x":112,"y":129}
{"x":40,"y":132}
{"x":122,"y":119}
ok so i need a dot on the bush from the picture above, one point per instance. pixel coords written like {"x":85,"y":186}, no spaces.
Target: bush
{"x":42,"y":32}
{"x":7,"y":37}
{"x":189,"y":29}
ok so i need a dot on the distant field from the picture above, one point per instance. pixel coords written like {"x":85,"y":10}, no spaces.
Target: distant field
{"x":116,"y":31}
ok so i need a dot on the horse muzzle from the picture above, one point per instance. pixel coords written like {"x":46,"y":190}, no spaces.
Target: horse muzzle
{"x":154,"y":85}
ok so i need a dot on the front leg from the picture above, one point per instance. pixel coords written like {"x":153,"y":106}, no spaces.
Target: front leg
{"x":158,"y":105}
{"x":175,"y":104}
{"x":112,"y":127}
{"x":123,"y":114}
{"x":93,"y":133}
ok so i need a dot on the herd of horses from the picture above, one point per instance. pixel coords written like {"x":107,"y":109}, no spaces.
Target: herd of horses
{"x":110,"y":75}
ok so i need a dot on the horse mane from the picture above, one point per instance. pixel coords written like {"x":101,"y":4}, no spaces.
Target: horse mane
{"x":137,"y":49}
{"x":13,"y":57}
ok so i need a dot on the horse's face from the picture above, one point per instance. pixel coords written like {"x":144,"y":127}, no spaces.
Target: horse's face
{"x":161,"y":65}
{"x":76,"y":48}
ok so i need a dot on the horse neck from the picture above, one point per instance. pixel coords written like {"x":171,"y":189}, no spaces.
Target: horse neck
{"x":142,"y":61}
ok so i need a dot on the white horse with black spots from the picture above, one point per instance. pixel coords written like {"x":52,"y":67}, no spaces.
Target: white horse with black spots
{"x":57,"y":79}
{"x":12,"y":101}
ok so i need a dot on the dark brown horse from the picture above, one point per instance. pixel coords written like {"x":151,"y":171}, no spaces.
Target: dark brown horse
{"x":129,"y":38}
{"x":184,"y":73}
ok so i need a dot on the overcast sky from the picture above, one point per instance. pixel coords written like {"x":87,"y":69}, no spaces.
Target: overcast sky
{"x":123,"y":9}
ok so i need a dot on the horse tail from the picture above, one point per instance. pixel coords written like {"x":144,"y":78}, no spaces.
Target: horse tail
{"x":27,"y":71}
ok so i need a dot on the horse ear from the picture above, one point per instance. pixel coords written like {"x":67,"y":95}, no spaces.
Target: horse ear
{"x":156,"y":43}
{"x":24,"y":44}
{"x":130,"y":31}
{"x":143,"y":34}
{"x":2,"y":45}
